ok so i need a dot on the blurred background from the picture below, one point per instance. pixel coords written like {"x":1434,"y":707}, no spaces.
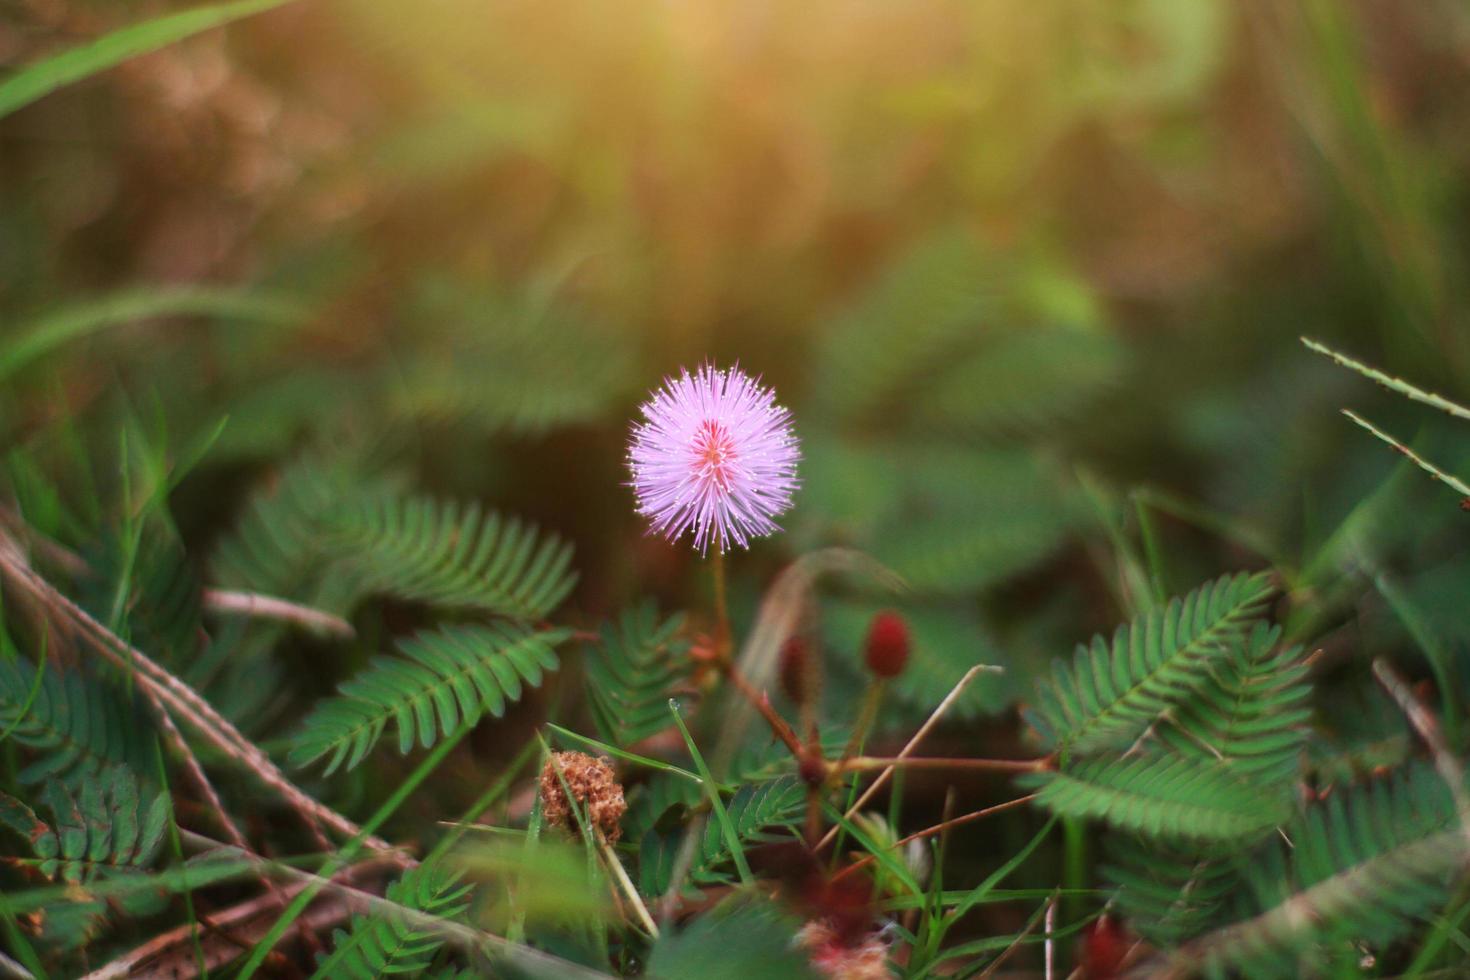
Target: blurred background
{"x":1030,"y":276}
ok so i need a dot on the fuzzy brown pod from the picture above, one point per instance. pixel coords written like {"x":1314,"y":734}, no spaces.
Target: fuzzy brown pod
{"x":595,"y":787}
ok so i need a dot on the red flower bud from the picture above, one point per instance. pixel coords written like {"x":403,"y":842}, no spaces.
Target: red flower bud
{"x":887,"y":649}
{"x":1104,"y":945}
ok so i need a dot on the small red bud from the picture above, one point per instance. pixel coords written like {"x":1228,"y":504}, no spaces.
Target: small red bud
{"x":887,"y":649}
{"x":797,"y":672}
{"x":1104,"y":945}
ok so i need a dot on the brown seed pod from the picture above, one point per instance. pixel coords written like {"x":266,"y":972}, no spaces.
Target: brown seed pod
{"x":594,"y":786}
{"x":887,"y":649}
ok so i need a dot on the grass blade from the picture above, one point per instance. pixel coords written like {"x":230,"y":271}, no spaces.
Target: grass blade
{"x":46,"y":76}
{"x":50,"y":331}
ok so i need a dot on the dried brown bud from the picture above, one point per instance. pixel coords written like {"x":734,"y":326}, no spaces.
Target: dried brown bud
{"x":812,"y":769}
{"x":887,"y":650}
{"x":595,"y":787}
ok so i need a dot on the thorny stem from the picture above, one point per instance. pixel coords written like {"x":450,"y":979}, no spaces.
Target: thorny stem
{"x":779,"y":726}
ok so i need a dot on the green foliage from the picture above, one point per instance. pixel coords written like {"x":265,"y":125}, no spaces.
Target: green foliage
{"x":59,"y":326}
{"x":1160,"y":795}
{"x":1115,"y":691}
{"x":758,"y":813}
{"x":732,"y":943}
{"x":111,"y":827}
{"x":1250,"y":711}
{"x":1411,"y":392}
{"x":327,"y":538}
{"x":108,"y":824}
{"x":389,"y":943}
{"x":77,"y":726}
{"x":1170,"y":892}
{"x":920,"y":308}
{"x":631,"y":671}
{"x":1364,"y":866}
{"x":1030,"y":377}
{"x":452,"y":555}
{"x":283,"y":545}
{"x":446,"y":678}
{"x":946,"y":641}
{"x":523,"y":364}
{"x":1033,"y":372}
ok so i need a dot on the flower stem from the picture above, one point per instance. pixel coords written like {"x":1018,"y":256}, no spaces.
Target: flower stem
{"x":722,"y":612}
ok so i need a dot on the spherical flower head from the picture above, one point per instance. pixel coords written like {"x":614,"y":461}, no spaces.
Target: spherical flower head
{"x":716,"y":454}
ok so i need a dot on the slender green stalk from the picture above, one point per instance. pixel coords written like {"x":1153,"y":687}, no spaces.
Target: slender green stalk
{"x":30,"y":700}
{"x":1448,"y":479}
{"x":1157,"y":577}
{"x":178,"y":848}
{"x":722,"y":816}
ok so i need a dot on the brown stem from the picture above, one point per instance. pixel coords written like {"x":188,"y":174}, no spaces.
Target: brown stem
{"x":212,"y":800}
{"x":259,"y":606}
{"x":910,"y":747}
{"x":864,"y":762}
{"x":779,"y":727}
{"x":178,"y":696}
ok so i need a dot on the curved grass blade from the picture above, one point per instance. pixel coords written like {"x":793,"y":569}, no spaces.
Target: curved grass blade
{"x":46,"y":76}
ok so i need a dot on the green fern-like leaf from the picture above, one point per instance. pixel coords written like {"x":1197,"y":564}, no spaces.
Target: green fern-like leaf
{"x":284,"y":545}
{"x":161,"y":605}
{"x":915,"y":314}
{"x":109,"y":829}
{"x":949,"y":521}
{"x":522,"y":365}
{"x":446,"y":678}
{"x":1169,"y":892}
{"x":108,"y":825}
{"x":1020,"y":379}
{"x":1160,"y":795}
{"x":453,"y":555}
{"x":387,"y":944}
{"x":1250,"y":711}
{"x":1363,"y":867}
{"x":630,"y":671}
{"x":733,"y":942}
{"x":755,"y":811}
{"x":77,"y":726}
{"x":1114,"y":691}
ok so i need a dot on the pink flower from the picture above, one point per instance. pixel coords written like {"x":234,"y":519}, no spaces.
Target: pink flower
{"x":714,"y":453}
